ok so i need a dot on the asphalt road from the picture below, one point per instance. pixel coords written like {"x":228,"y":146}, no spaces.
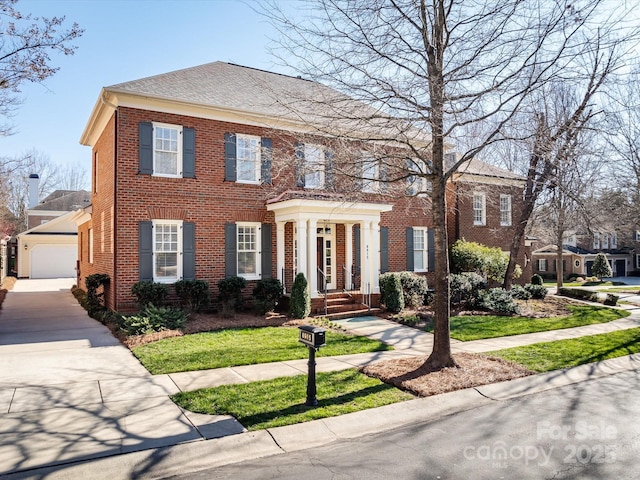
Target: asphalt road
{"x":585,"y":430}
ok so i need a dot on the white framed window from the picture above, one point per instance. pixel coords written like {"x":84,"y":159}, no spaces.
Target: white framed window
{"x":613,"y":240}
{"x":571,"y":240}
{"x":370,"y":175}
{"x":167,"y":150}
{"x":596,"y":241}
{"x":417,"y":184}
{"x":637,"y":236}
{"x":637,"y":260}
{"x":314,"y":166}
{"x":248,"y":242}
{"x":505,"y":210}
{"x":248,"y":158}
{"x":420,"y":249}
{"x":605,"y":240}
{"x":542,"y":265}
{"x":479,"y":209}
{"x":167,"y":250}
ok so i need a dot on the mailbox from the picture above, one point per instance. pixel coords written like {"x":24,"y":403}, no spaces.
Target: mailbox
{"x":312,"y":336}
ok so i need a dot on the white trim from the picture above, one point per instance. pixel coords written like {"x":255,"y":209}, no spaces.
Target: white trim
{"x":482,"y":197}
{"x":258,"y":161}
{"x":424,"y":250}
{"x":178,"y":251}
{"x":505,"y":201}
{"x":257,"y":250}
{"x":316,"y":169}
{"x":178,"y":129}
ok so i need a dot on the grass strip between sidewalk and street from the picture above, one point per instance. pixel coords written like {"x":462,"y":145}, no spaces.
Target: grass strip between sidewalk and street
{"x":470,"y":327}
{"x":245,"y":346}
{"x":547,"y":356}
{"x":278,"y":402}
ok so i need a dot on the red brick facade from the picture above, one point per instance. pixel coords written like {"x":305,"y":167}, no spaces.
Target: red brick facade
{"x":122,"y":197}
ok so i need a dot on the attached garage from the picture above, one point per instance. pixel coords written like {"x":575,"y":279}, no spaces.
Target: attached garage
{"x":53,"y":261}
{"x":49,"y":250}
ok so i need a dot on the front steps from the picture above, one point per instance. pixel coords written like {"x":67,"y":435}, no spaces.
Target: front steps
{"x":341,"y":305}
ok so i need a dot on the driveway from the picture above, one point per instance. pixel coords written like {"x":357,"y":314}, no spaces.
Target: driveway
{"x":69,"y":390}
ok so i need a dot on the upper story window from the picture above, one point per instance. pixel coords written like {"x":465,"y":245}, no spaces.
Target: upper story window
{"x":248,"y":245}
{"x":571,"y":240}
{"x":417,"y":184}
{"x":605,"y":241}
{"x":637,"y":236}
{"x":167,"y":150}
{"x":596,"y":241}
{"x":314,"y":166}
{"x":248,"y":158}
{"x":505,"y":210}
{"x":167,"y":248}
{"x":479,"y":209}
{"x":370,"y":175}
{"x":613,"y":240}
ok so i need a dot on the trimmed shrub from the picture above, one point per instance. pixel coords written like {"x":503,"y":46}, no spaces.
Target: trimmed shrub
{"x":490,"y":262}
{"x":537,"y":292}
{"x":414,"y":288}
{"x":394,"y":298}
{"x":498,"y":300}
{"x":268,"y":293}
{"x":230,"y":294}
{"x":601,"y":267}
{"x":95,"y":284}
{"x":300,"y":300}
{"x":194,"y":295}
{"x":537,"y":280}
{"x":578,"y":293}
{"x":611,"y":300}
{"x":150,"y":293}
{"x":465,"y":287}
{"x":153,"y":319}
{"x":518,"y":292}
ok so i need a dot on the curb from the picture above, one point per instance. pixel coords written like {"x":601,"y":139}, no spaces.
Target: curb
{"x":204,"y":454}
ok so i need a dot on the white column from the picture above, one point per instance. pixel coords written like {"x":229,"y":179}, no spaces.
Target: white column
{"x":365,"y":255}
{"x":312,"y":260}
{"x":375,"y":257}
{"x":348,"y":254}
{"x":280,"y":251}
{"x":301,"y":227}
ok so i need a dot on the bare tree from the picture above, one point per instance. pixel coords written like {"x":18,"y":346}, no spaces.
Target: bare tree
{"x":429,"y":72}
{"x":25,"y":43}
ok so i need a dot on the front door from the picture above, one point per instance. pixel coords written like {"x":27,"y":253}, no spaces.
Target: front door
{"x":325,"y":254}
{"x":621,"y":267}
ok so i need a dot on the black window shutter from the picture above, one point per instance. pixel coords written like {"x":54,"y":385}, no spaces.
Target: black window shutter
{"x":409,"y":233}
{"x":267,"y":156}
{"x":188,"y":251}
{"x":356,"y":260}
{"x":431,"y":250}
{"x":329,"y":169}
{"x":145,"y":251}
{"x":266,"y":256}
{"x":145,"y":139}
{"x":230,"y":174}
{"x":230,"y":250}
{"x":299,"y":167}
{"x":384,"y":249}
{"x":188,"y":153}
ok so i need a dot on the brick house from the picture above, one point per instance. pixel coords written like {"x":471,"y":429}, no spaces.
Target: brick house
{"x":201,"y":173}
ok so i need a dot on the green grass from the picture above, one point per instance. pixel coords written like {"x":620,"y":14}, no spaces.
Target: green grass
{"x":544,"y":357}
{"x":246,"y":346}
{"x":632,"y":289}
{"x":280,"y":401}
{"x":466,"y":328}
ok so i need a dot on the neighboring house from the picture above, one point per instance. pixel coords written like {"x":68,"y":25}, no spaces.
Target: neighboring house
{"x":202,"y":173}
{"x":58,"y":203}
{"x":579,"y":252}
{"x":49,"y":250}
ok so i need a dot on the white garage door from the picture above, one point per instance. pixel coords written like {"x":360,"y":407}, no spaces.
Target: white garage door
{"x":53,"y":261}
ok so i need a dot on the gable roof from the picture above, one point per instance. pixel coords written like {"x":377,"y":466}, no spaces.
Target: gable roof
{"x":478,"y":167}
{"x":230,"y":92}
{"x":64,"y":201}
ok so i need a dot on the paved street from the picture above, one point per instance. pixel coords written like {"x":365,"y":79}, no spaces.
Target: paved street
{"x":584,"y":430}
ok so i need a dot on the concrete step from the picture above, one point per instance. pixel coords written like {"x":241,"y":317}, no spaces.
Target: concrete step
{"x":361,"y":312}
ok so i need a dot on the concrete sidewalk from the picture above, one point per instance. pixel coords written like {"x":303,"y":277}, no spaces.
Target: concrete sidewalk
{"x":70,"y":392}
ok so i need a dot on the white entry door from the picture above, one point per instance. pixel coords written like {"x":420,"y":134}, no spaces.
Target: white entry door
{"x":325,"y":253}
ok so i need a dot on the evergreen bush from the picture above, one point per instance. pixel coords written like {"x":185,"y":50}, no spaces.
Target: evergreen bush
{"x":498,"y":300}
{"x":153,"y":319}
{"x":538,"y":292}
{"x":147,"y":293}
{"x":194,"y":295}
{"x":394,"y":298}
{"x":537,"y":280}
{"x":601,"y":267}
{"x":230,"y":294}
{"x":268,"y":293}
{"x":300,"y":306}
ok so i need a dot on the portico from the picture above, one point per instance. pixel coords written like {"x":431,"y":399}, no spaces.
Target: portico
{"x":313,"y":242}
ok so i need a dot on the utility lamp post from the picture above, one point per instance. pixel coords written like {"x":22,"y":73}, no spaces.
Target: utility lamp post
{"x":314,"y":338}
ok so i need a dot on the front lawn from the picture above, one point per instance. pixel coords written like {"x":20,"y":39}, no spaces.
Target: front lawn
{"x":246,"y":346}
{"x":547,"y":356}
{"x":277,"y":402}
{"x":471,"y":327}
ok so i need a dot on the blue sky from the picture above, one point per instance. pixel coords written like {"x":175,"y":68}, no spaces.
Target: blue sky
{"x":126,"y":40}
